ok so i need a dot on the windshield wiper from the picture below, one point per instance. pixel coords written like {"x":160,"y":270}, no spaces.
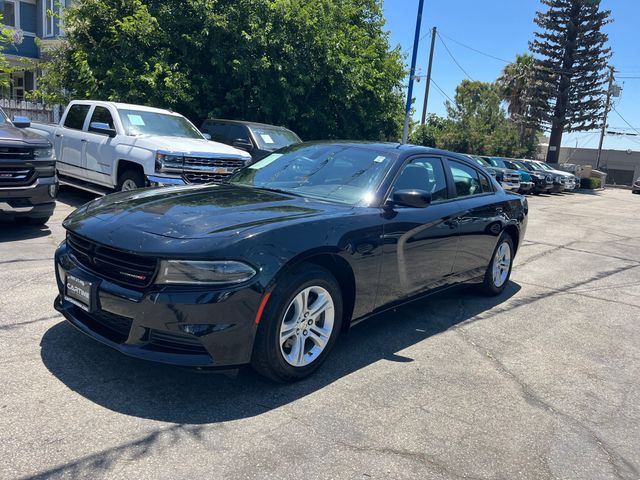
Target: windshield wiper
{"x":277,"y":190}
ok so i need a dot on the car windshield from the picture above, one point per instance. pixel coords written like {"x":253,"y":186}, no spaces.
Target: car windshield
{"x":496,"y":162}
{"x":520,"y":165}
{"x":481,"y":161}
{"x":141,"y":122}
{"x":341,"y":173}
{"x":535,"y":166}
{"x":545,"y":166}
{"x":273,"y":138}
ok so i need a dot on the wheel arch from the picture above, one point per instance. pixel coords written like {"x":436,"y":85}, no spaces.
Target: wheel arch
{"x":514,"y":233}
{"x":124,"y":165}
{"x":335,"y":264}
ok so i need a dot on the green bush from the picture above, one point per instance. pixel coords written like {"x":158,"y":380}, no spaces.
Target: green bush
{"x":590,"y":183}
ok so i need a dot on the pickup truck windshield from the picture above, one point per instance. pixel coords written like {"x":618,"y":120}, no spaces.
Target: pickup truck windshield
{"x":3,"y":117}
{"x":140,"y":122}
{"x":339,"y":173}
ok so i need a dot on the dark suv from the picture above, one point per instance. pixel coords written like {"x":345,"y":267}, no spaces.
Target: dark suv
{"x":28,"y":183}
{"x":258,"y":139}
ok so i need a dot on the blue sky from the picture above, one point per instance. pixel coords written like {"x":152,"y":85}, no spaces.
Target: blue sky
{"x":502,"y":28}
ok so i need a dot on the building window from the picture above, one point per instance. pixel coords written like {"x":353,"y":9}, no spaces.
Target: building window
{"x":9,"y":13}
{"x":48,"y":18}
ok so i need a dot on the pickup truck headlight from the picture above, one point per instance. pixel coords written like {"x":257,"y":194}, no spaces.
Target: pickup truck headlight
{"x":169,"y":162}
{"x":222,"y":272}
{"x":44,"y":154}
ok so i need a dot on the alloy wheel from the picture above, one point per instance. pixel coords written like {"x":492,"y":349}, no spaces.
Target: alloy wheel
{"x":306,"y":327}
{"x":129,"y":185}
{"x":501,"y":264}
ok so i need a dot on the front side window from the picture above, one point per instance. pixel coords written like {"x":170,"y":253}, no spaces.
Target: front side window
{"x":340,"y":173}
{"x":424,"y":174}
{"x":237,"y":133}
{"x":466,"y":179}
{"x":102,"y":115}
{"x":76,"y":116}
{"x":142,"y":122}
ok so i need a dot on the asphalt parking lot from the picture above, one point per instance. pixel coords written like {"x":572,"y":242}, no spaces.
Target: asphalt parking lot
{"x":542,"y":382}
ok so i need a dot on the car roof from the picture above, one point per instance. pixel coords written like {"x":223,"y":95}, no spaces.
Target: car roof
{"x":125,"y":106}
{"x":246,"y":122}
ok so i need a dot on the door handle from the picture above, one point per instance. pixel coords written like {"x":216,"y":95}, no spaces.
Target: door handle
{"x":83,"y":140}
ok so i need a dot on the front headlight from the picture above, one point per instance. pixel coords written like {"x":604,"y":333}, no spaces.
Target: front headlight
{"x":44,"y":154}
{"x":169,"y":162}
{"x":222,"y":272}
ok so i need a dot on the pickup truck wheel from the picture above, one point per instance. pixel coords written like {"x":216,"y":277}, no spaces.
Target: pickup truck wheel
{"x":130,"y":180}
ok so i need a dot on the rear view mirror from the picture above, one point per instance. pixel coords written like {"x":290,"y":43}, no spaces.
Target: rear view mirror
{"x":102,"y":128}
{"x":21,"y":122}
{"x":412,"y":198}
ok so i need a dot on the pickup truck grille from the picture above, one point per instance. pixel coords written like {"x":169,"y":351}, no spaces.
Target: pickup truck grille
{"x":16,"y":175}
{"x":16,"y":153}
{"x":190,"y":162}
{"x":121,"y":267}
{"x":203,"y":177}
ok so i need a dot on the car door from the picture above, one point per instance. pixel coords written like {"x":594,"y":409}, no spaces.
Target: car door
{"x":420,"y":244}
{"x":71,"y":156}
{"x":99,"y":148}
{"x":480,"y":219}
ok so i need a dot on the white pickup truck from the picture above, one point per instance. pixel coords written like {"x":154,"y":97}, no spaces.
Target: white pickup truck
{"x":102,"y":146}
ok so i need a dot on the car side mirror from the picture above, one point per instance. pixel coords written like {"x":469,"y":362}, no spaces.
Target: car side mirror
{"x":21,"y":122}
{"x":242,"y":144}
{"x":411,"y":198}
{"x":102,"y":128}
{"x":206,"y":136}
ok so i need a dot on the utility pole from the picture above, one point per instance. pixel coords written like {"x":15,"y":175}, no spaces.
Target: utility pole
{"x":412,"y":73}
{"x":426,"y":90}
{"x":607,"y":105}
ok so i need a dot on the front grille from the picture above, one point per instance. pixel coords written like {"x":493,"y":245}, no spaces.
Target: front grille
{"x":176,"y":342}
{"x":16,"y":153}
{"x":190,"y":162}
{"x":16,"y":175}
{"x":202,"y":177}
{"x":121,"y":267}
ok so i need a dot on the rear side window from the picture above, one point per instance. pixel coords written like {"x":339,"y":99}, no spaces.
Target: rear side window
{"x":218,"y":131}
{"x":466,"y":179}
{"x":76,"y":116}
{"x":102,"y":115}
{"x":237,"y":132}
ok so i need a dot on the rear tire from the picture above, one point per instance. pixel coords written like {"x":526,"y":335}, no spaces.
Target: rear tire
{"x":498,"y":272}
{"x":299,"y":326}
{"x":130,"y":180}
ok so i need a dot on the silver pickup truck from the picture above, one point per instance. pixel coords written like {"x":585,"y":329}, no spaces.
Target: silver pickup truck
{"x":102,"y":146}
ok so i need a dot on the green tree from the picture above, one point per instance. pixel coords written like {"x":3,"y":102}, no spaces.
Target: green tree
{"x":479,"y":124}
{"x":324,"y":68}
{"x":570,"y":67}
{"x":432,"y":132}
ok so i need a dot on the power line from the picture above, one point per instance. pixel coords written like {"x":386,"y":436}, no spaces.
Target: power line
{"x":452,"y":57}
{"x":625,"y":120}
{"x":442,"y":91}
{"x":630,"y":78}
{"x":474,"y":49}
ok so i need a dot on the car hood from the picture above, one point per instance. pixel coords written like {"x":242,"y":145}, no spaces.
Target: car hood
{"x":10,"y":135}
{"x":189,"y":146}
{"x":190,"y":212}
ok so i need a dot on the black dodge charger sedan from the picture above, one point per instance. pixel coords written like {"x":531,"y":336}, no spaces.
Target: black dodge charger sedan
{"x":268,"y":269}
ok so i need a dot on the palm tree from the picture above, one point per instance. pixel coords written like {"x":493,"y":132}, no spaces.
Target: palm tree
{"x":517,"y":86}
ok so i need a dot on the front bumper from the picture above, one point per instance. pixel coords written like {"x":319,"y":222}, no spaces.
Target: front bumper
{"x":525,"y":187}
{"x":36,"y":200}
{"x":510,"y":185}
{"x":194,"y":327}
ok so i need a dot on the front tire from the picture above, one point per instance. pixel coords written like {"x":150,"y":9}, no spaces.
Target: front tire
{"x":299,"y":326}
{"x":130,"y":180}
{"x":498,"y":272}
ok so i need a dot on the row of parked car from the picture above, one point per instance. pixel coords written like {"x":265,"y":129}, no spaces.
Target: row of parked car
{"x":106,"y":146}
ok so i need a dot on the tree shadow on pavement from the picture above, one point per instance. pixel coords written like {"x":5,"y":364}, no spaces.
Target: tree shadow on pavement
{"x":177,"y":395}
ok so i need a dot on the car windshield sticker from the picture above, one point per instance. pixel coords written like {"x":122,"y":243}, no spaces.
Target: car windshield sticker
{"x":135,"y":120}
{"x":266,"y":161}
{"x":266,"y":138}
{"x":379,"y":159}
